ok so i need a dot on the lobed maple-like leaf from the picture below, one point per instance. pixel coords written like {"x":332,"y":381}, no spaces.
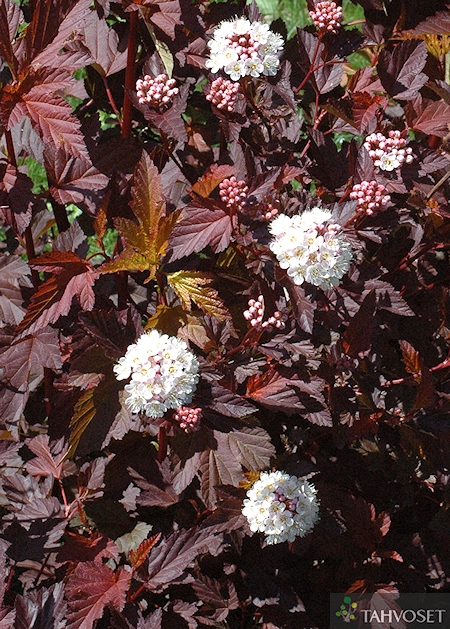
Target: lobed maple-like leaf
{"x":58,"y":52}
{"x":218,"y":466}
{"x":195,"y":286}
{"x":293,"y":395}
{"x":198,"y":227}
{"x":109,"y":55}
{"x":146,"y":239}
{"x":251,"y":447}
{"x":71,"y":277}
{"x":173,"y":555}
{"x":46,"y":463}
{"x":74,"y":179}
{"x":23,"y":363}
{"x":325,"y":76}
{"x":215,"y":606}
{"x":93,"y":586}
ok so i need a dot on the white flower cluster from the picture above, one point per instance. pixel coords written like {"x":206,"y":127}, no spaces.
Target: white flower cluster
{"x":310,"y":247}
{"x":164,"y":373}
{"x":244,"y":48}
{"x":281,"y":506}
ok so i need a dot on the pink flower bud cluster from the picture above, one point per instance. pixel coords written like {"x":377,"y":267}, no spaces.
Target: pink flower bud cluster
{"x":255,"y":315}
{"x":157,"y":92}
{"x":388,"y":153}
{"x":233,"y":193}
{"x":223,"y":93}
{"x":188,"y":418}
{"x":264,"y":211}
{"x":371,"y":197}
{"x":327,"y":17}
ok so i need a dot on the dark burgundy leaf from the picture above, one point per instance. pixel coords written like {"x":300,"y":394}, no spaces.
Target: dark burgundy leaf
{"x":49,"y":460}
{"x":358,"y":335}
{"x":173,"y":555}
{"x":198,"y":227}
{"x":10,"y":18}
{"x":78,"y":548}
{"x":153,"y":496}
{"x":72,"y":277}
{"x":327,"y":73}
{"x":14,"y":276}
{"x":437,"y":24}
{"x":400,"y":71}
{"x":23,"y":368}
{"x":434,"y":119}
{"x":74,"y":180}
{"x":109,"y":55}
{"x":16,"y":197}
{"x":41,"y":609}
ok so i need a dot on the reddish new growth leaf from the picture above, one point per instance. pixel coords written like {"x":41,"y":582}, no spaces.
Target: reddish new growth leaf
{"x":72,"y":277}
{"x":147,"y":237}
{"x":90,"y":589}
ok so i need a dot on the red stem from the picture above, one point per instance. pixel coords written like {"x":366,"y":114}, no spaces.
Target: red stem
{"x":112,"y":102}
{"x":162,"y":443}
{"x":312,"y":68}
{"x":130,"y":75}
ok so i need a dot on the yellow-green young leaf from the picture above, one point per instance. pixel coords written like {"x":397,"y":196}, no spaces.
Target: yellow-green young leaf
{"x":163,"y":50}
{"x":194,"y":286}
{"x":147,"y":239}
{"x":167,"y":319}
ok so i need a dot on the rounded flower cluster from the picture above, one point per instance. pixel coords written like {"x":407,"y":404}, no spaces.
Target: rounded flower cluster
{"x":223,"y":93}
{"x":311,"y":248}
{"x":157,"y":92}
{"x":327,"y":17}
{"x":163,"y":371}
{"x":255,"y":315}
{"x":188,"y":418}
{"x":233,"y":193}
{"x":371,"y":196}
{"x":388,"y":153}
{"x":281,"y":506}
{"x":244,"y":48}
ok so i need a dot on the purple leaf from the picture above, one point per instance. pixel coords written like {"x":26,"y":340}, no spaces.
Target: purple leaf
{"x":198,"y":227}
{"x":400,"y":71}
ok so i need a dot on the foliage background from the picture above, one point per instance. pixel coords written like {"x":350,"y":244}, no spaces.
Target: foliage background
{"x":112,"y":224}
